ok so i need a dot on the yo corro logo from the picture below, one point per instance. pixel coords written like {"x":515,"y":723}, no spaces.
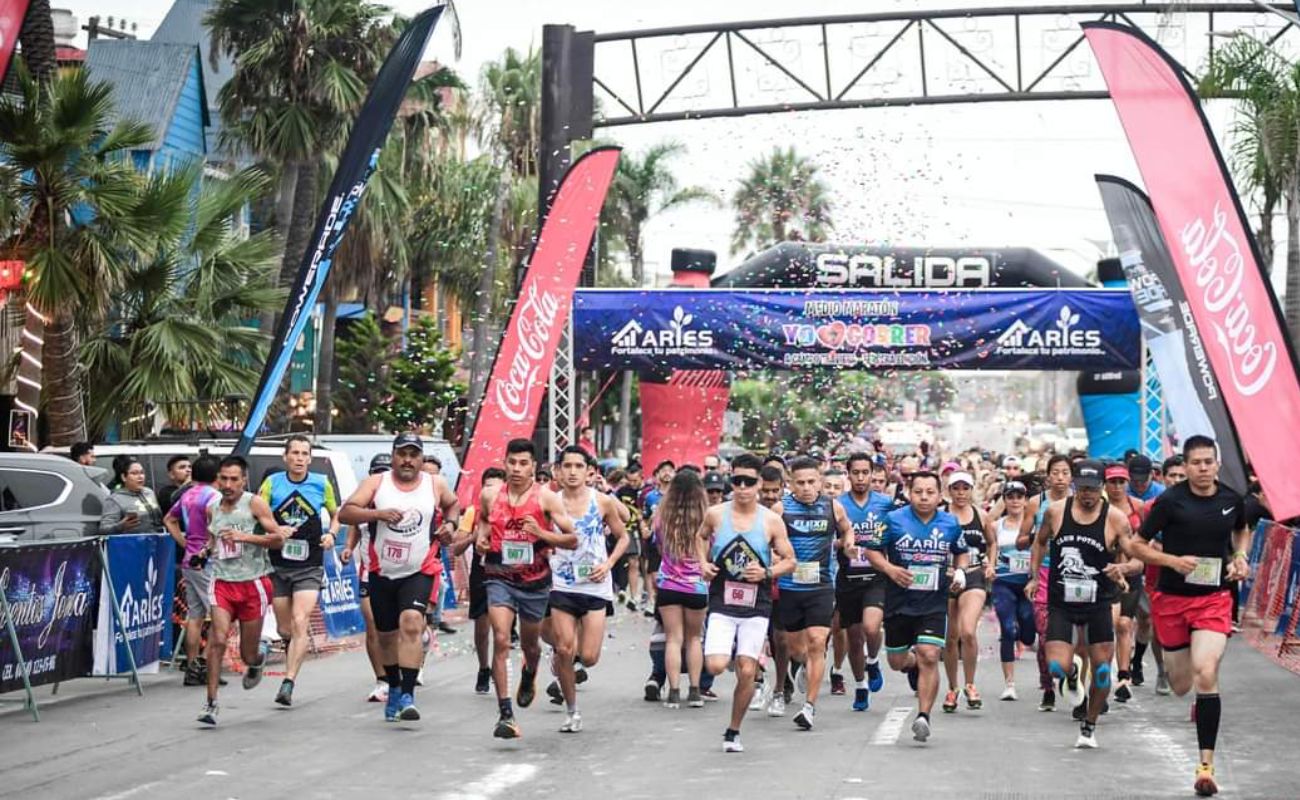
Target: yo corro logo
{"x":676,"y":339}
{"x":1062,"y":339}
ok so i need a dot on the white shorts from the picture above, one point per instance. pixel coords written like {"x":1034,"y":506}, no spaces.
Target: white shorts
{"x":747,"y":634}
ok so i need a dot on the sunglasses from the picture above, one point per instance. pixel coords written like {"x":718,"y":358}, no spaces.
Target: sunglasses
{"x":744,"y":480}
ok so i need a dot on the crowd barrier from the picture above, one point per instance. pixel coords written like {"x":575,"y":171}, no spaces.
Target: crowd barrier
{"x":1269,"y":596}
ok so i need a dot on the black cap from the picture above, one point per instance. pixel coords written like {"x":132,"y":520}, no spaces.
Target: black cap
{"x":713,"y":481}
{"x":408,"y":440}
{"x":1139,"y":466}
{"x":382,"y":462}
{"x":1014,"y":487}
{"x":1089,"y":474}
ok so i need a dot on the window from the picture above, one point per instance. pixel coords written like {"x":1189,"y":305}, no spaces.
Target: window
{"x":22,"y":489}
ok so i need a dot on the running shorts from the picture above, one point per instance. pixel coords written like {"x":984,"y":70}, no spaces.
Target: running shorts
{"x":1175,"y":616}
{"x":1130,"y":600}
{"x":1098,"y":620}
{"x":530,"y":606}
{"x":799,"y":610}
{"x":670,"y":597}
{"x":389,"y":597}
{"x":286,"y":580}
{"x":902,"y":631}
{"x":244,"y":601}
{"x":745,"y":634}
{"x":478,"y":604}
{"x":198,"y":591}
{"x":575,"y":604}
{"x":856,"y":597}
{"x":653,"y":558}
{"x":974,"y":580}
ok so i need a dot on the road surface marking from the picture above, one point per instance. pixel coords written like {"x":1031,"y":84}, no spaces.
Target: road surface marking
{"x":888,"y":731}
{"x":130,"y":792}
{"x":495,"y":783}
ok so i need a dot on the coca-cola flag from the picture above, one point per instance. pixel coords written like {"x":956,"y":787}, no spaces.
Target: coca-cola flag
{"x":1216,"y":258}
{"x":522,"y":367}
{"x":12,"y":13}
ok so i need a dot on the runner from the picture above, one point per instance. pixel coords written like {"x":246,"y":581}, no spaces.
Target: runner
{"x":833,"y":485}
{"x":913,"y":554}
{"x":241,"y":590}
{"x":515,"y":532}
{"x":359,"y":537}
{"x":682,"y":594}
{"x":478,"y":608}
{"x":1141,"y":486}
{"x":860,"y":590}
{"x":1083,"y":534}
{"x":966,"y":601}
{"x":630,"y":492}
{"x":1015,"y":611}
{"x":187,"y":522}
{"x":650,"y":556}
{"x":1059,"y":479}
{"x":747,"y":548}
{"x":1201,"y":522}
{"x":405,"y":504}
{"x":1127,"y":607}
{"x":581,"y":588}
{"x":771,"y":494}
{"x":297,"y":497}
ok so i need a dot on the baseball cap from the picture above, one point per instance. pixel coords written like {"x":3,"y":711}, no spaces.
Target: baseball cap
{"x":1010,"y":461}
{"x":1088,"y":474}
{"x":1139,"y":466}
{"x":1117,"y":471}
{"x":713,"y":481}
{"x":382,"y":462}
{"x":961,"y":477}
{"x":408,"y":440}
{"x":1014,"y":487}
{"x":951,"y":466}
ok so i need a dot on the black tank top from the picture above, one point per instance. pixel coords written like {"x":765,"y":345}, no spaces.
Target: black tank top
{"x":976,"y":544}
{"x":1079,"y":556}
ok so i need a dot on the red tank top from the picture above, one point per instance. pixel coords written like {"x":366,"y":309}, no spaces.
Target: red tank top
{"x":514,"y":555}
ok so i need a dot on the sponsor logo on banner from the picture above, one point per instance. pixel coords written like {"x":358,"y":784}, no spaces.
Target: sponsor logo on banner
{"x":533,"y":326}
{"x":678,"y":339}
{"x":1063,"y":338}
{"x":840,"y":270}
{"x":146,"y":615}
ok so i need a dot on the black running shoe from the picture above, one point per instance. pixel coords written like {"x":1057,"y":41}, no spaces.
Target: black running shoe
{"x":194,"y":676}
{"x":483,"y":682}
{"x":1122,"y":694}
{"x":837,"y":683}
{"x":527,"y":688}
{"x":1137,"y":678}
{"x":285,"y":696}
{"x":1080,"y":712}
{"x":507,"y":728}
{"x":1049,"y":701}
{"x":652,"y":688}
{"x":553,"y":692}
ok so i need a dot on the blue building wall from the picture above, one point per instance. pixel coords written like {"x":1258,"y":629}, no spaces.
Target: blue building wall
{"x":184,"y":141}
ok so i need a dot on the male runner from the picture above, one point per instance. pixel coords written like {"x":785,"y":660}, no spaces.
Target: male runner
{"x":771,"y":494}
{"x":1083,"y":533}
{"x":860,"y":590}
{"x":650,"y":556}
{"x":1060,"y":477}
{"x":358,"y":542}
{"x":187,"y":522}
{"x":813,"y":524}
{"x":515,"y":532}
{"x":297,"y":498}
{"x":913,"y":554}
{"x":581,"y":587}
{"x":1140,"y":485}
{"x":241,"y":589}
{"x":1206,"y":539}
{"x":405,"y":504}
{"x":746,"y":548}
{"x":478,"y":608}
{"x":879,"y":478}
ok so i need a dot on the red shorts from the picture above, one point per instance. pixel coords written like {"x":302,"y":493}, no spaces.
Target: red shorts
{"x":245,"y":601}
{"x":1175,"y":616}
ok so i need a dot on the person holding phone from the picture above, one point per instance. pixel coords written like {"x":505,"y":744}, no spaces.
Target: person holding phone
{"x":132,"y":507}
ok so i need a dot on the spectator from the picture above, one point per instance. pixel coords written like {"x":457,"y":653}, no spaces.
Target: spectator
{"x":587,"y":440}
{"x":132,"y":507}
{"x":178,"y":471}
{"x":83,"y":453}
{"x":120,"y":463}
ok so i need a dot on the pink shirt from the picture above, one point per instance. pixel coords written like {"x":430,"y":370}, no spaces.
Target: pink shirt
{"x":191,"y":511}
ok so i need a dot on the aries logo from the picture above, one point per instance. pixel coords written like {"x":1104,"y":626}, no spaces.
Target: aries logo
{"x":1062,"y":339}
{"x":676,"y":339}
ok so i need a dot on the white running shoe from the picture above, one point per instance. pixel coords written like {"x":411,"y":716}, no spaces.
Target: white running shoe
{"x":732,"y":746}
{"x":776,"y":707}
{"x":1087,"y":739}
{"x":804,"y":719}
{"x":572,"y":723}
{"x":761,"y":695}
{"x":379,"y":694}
{"x":920,"y":729}
{"x":1009,"y":693}
{"x":208,"y":716}
{"x":419,"y":677}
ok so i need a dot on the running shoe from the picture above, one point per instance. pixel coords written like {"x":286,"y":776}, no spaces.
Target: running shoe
{"x":801,"y":679}
{"x":208,"y":716}
{"x":482,"y":683}
{"x":1122,"y":693}
{"x":379,"y":694}
{"x":579,"y":673}
{"x":1080,"y":712}
{"x":1205,"y":785}
{"x":674,"y":699}
{"x":285,"y":696}
{"x":875,"y":678}
{"x":393,"y":705}
{"x":861,"y":699}
{"x":1162,"y":684}
{"x":709,"y":695}
{"x":445,"y":629}
{"x":1009,"y":693}
{"x":1138,"y":677}
{"x":527,"y":688}
{"x":652,"y":689}
{"x":776,"y":708}
{"x":920,"y":728}
{"x":253,"y":674}
{"x":759,"y":700}
{"x":631,"y":606}
{"x":1087,"y":737}
{"x":837,"y":683}
{"x":419,"y":677}
{"x":507,"y":728}
{"x":572,"y":723}
{"x":732,"y":745}
{"x":693,"y":698}
{"x":950,"y":702}
{"x":553,"y":692}
{"x":1048,"y":703}
{"x":804,"y":719}
{"x":1077,"y":682}
{"x":973,"y":700}
{"x":194,"y":676}
{"x":913,"y":677}
{"x":406,"y":710}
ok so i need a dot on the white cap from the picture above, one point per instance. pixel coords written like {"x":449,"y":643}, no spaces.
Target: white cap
{"x":961,"y":477}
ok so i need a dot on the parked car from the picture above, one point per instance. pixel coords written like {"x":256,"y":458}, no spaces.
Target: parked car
{"x":45,"y":496}
{"x":1076,"y":439}
{"x":361,"y":447}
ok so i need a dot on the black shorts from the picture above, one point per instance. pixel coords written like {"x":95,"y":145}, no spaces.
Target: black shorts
{"x":651,"y":555}
{"x":363,"y":588}
{"x":857,"y":596}
{"x":389,"y":597}
{"x":799,"y":610}
{"x":575,"y":604}
{"x":974,"y":580}
{"x":903,"y":631}
{"x":1130,"y":600}
{"x":668,"y":597}
{"x":478,"y":604}
{"x":1097,"y":619}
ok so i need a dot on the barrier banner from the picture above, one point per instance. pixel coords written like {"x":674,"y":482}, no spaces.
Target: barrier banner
{"x":1037,"y":329}
{"x":142,"y":570}
{"x":51,"y":590}
{"x":340,"y":598}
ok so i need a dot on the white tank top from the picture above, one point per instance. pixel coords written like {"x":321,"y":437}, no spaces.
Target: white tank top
{"x":569,"y":567}
{"x":403,"y":549}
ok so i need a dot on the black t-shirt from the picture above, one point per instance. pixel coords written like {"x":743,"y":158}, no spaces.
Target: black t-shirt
{"x":1191,"y":525}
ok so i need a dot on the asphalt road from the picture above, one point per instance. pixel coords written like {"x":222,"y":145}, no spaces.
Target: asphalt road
{"x":103,"y":742}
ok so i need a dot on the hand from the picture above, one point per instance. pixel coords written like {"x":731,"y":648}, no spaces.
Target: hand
{"x":346,"y":556}
{"x":1238,"y":569}
{"x":1122,"y":583}
{"x":1185,"y":564}
{"x":1114,"y":571}
{"x":709,"y":570}
{"x":447,"y":534}
{"x":852,"y":552}
{"x":327,"y":541}
{"x":279,"y":536}
{"x":531,"y":527}
{"x":990,"y":571}
{"x":1031,"y":588}
{"x":130,"y":522}
{"x":959,"y":579}
{"x":390,"y":515}
{"x":901,"y":577}
{"x":599,"y":572}
{"x":482,"y":544}
{"x":754,"y":573}
{"x":230,"y":535}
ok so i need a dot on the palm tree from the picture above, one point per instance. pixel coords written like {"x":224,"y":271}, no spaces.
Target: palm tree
{"x":37,"y":38}
{"x":782,"y":199}
{"x":85,"y":214}
{"x":176,"y":333}
{"x":643,"y":187}
{"x":1266,"y":153}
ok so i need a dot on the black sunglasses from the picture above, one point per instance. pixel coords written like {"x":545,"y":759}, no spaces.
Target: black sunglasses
{"x":744,"y":480}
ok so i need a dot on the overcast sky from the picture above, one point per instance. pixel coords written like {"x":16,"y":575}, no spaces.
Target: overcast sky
{"x":966,"y":174}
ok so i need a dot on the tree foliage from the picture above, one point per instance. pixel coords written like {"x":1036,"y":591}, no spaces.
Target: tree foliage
{"x":782,"y":199}
{"x":364,"y":378}
{"x":422,"y":380}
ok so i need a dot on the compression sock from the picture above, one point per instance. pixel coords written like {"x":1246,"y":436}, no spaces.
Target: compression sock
{"x":1208,"y":709}
{"x":408,"y":679}
{"x":1139,"y":650}
{"x":393,"y":677}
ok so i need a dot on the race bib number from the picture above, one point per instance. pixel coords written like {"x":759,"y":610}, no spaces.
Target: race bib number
{"x":807,"y":572}
{"x":741,"y":595}
{"x":1207,"y":573}
{"x":227,"y":548}
{"x":1080,"y":590}
{"x":395,"y":553}
{"x":1019,"y":563}
{"x":514,"y":554}
{"x":583,"y":571}
{"x":295,"y":550}
{"x":860,"y":560}
{"x":924,"y":579}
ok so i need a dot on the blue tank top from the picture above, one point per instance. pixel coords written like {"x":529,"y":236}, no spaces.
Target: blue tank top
{"x":868,"y":521}
{"x":732,"y":551}
{"x":812,"y":531}
{"x":1013,"y":563}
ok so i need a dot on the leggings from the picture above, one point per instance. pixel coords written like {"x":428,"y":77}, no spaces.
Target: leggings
{"x":1040,"y":625}
{"x":1015,"y":615}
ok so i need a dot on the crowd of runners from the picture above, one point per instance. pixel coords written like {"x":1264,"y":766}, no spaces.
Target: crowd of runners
{"x":776,"y":569}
